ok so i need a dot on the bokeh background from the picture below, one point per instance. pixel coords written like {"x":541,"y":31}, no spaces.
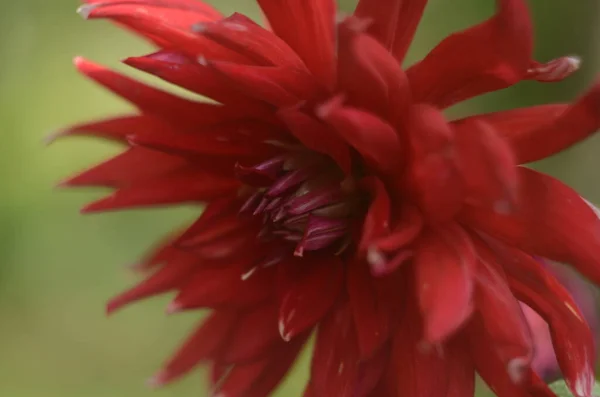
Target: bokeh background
{"x":57,"y":267}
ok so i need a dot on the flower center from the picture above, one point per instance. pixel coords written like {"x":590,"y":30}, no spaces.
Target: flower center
{"x":302,"y":198}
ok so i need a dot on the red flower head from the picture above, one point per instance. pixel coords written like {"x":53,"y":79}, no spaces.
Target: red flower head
{"x":339,"y":199}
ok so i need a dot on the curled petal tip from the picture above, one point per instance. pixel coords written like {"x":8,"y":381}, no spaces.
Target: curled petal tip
{"x":285,"y":334}
{"x":157,"y":381}
{"x":85,"y":10}
{"x":516,"y":368}
{"x":555,"y":70}
{"x":376,"y":260}
{"x":173,"y":307}
{"x":51,"y":138}
{"x":78,"y":61}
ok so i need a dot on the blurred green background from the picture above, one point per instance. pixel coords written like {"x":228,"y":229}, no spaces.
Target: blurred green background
{"x":59,"y":267}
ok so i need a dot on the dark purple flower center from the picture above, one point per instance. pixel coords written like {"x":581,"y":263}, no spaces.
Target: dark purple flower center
{"x":303,"y":198}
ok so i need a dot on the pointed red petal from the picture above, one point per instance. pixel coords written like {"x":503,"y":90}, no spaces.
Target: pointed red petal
{"x":433,"y":173}
{"x":316,"y":136}
{"x":254,"y":335}
{"x":165,"y":25}
{"x":308,"y":288}
{"x":488,"y":364}
{"x":505,"y":326}
{"x":247,"y":380}
{"x":308,"y":27}
{"x":168,"y":277}
{"x":116,"y":129}
{"x":514,"y":124}
{"x":180,"y":13}
{"x":487,"y":166}
{"x":232,"y":285}
{"x":425,"y":371}
{"x":371,"y":315}
{"x":551,"y":221}
{"x":377,"y":220}
{"x":368,"y":74}
{"x":204,"y":145}
{"x":444,"y":265}
{"x":575,"y":124}
{"x":487,"y":57}
{"x":156,"y":102}
{"x":180,"y":70}
{"x":242,"y":35}
{"x":394,"y":22}
{"x":372,"y":137}
{"x":280,"y":86}
{"x":135,"y":165}
{"x":335,"y":359}
{"x":183,"y":187}
{"x":572,"y":339}
{"x":201,"y":345}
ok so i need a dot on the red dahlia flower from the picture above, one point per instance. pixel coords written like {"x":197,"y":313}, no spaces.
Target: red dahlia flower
{"x":340,"y":200}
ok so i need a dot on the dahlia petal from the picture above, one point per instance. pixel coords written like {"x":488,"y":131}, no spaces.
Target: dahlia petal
{"x":369,"y":75}
{"x":254,"y":335}
{"x":167,"y":278}
{"x":224,"y":249}
{"x":135,"y":165}
{"x":280,"y":86}
{"x":372,"y":325}
{"x":572,"y":339}
{"x":394,"y":22}
{"x":407,"y":227}
{"x":434,"y":177}
{"x":556,"y":70}
{"x":224,"y":286}
{"x":503,"y":319}
{"x":308,"y":27}
{"x":273,"y":368}
{"x":307,"y":291}
{"x":487,"y":165}
{"x":335,"y":361}
{"x":180,"y":13}
{"x":517,"y":121}
{"x":158,"y":27}
{"x":429,"y":372}
{"x":488,"y":364}
{"x":161,"y":253}
{"x":514,"y":124}
{"x":377,"y":220}
{"x":182,"y":187}
{"x":370,"y":372}
{"x":206,"y":341}
{"x":114,"y":129}
{"x":196,"y":77}
{"x":242,"y":35}
{"x":370,"y":301}
{"x":444,"y":266}
{"x":551,"y":221}
{"x":153,"y":101}
{"x":240,"y":378}
{"x":372,"y":137}
{"x":198,"y":233}
{"x":557,"y":133}
{"x":451,"y":72}
{"x":316,"y":136}
{"x":199,"y":144}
